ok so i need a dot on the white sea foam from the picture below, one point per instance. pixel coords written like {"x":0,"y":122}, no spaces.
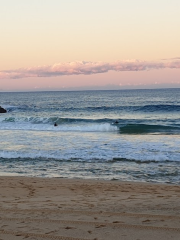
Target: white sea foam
{"x":11,"y":125}
{"x":61,"y":147}
{"x":105,"y":127}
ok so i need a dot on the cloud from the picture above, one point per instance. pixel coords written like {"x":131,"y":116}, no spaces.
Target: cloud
{"x":87,"y":68}
{"x":175,"y":58}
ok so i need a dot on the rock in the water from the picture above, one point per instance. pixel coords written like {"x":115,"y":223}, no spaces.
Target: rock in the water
{"x":2,"y":110}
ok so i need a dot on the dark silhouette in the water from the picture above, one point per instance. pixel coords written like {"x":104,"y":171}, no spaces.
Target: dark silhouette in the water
{"x":2,"y":110}
{"x":55,"y":124}
{"x":116,"y":122}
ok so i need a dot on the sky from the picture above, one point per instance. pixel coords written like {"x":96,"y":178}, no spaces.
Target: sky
{"x":89,"y":44}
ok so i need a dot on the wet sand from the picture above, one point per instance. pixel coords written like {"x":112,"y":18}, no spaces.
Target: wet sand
{"x":38,"y":208}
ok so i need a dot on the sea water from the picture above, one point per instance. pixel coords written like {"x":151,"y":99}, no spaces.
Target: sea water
{"x":130,"y":135}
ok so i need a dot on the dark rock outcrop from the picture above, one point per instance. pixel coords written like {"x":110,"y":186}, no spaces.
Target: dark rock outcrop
{"x":2,"y":110}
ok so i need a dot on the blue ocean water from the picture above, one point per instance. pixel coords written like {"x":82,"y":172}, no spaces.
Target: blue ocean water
{"x":115,"y":135}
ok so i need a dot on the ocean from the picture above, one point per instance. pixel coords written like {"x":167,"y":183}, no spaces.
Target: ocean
{"x":128,"y":135}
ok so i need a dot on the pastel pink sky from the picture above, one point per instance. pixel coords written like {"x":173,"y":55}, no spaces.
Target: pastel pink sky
{"x":55,"y":44}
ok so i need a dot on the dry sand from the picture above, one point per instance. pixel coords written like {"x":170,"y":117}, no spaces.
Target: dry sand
{"x":37,"y":208}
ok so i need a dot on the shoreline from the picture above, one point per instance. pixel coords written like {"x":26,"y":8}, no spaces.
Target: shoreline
{"x":74,"y":209}
{"x":16,"y":175}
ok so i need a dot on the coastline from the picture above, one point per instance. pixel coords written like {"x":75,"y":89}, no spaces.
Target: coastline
{"x":59,"y":208}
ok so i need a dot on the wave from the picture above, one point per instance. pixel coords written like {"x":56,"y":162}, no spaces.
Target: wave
{"x":58,"y":120}
{"x":145,"y":108}
{"x":148,"y":128}
{"x":19,"y":108}
{"x":159,"y":107}
{"x":20,"y":157}
{"x":122,"y":126}
{"x":106,"y":127}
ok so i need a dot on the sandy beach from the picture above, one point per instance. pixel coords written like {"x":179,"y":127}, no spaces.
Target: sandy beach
{"x":55,"y":208}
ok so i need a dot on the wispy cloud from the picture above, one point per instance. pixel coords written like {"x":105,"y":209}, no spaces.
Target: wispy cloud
{"x":168,"y":59}
{"x":88,"y":68}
